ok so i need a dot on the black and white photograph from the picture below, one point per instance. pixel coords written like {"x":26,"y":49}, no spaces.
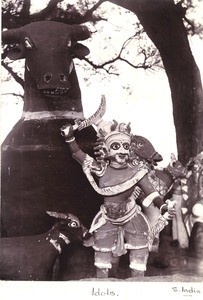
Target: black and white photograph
{"x":101,"y":130}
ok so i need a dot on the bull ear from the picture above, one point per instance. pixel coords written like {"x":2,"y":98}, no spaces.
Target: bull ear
{"x":11,"y":36}
{"x":16,"y":52}
{"x":57,"y":215}
{"x":79,"y":51}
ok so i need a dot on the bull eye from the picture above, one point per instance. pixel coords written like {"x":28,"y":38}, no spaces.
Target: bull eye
{"x":28,"y":43}
{"x":71,"y":67}
{"x":27,"y":68}
{"x":69,"y":43}
{"x":140,"y":144}
{"x":73,"y":224}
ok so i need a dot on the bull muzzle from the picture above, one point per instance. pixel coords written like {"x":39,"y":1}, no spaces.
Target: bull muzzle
{"x":48,"y":77}
{"x":50,"y":81}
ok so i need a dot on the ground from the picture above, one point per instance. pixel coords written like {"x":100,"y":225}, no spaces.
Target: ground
{"x":170,"y":264}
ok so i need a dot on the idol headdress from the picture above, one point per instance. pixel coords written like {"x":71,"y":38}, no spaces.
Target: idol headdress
{"x":113,"y":131}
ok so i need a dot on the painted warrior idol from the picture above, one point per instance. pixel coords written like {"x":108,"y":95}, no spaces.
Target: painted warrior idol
{"x":120,"y":225}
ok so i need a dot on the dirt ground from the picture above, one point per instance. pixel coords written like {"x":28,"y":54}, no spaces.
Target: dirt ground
{"x":170,"y":264}
{"x":173,"y":262}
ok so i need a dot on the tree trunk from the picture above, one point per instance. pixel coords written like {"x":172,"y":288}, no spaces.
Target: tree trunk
{"x":162,"y":21}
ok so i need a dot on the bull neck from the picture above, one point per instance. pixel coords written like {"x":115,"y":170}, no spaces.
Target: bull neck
{"x":57,"y":114}
{"x":40,"y":106}
{"x":37,"y":107}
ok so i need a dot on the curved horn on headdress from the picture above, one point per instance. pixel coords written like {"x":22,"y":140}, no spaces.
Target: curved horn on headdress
{"x":114,"y":125}
{"x":79,"y":32}
{"x":11,"y":36}
{"x":128,"y":127}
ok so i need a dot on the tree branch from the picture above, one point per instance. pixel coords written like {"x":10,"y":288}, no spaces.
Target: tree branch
{"x":139,"y":66}
{"x":15,"y":75}
{"x":14,"y":94}
{"x":191,"y":25}
{"x":89,"y":17}
{"x":127,"y":4}
{"x":46,"y":11}
{"x":144,"y":65}
{"x":25,"y":9}
{"x":94,"y":7}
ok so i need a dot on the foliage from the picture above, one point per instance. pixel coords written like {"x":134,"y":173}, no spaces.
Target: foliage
{"x":134,"y":47}
{"x":105,"y":33}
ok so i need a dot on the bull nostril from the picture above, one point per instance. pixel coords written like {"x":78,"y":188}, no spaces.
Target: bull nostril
{"x":63,"y":78}
{"x":47,"y":77}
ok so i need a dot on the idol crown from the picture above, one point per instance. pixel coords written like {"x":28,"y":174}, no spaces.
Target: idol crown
{"x":106,"y":129}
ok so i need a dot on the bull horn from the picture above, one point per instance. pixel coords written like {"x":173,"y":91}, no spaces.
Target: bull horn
{"x":11,"y":36}
{"x":79,"y":32}
{"x":57,"y":215}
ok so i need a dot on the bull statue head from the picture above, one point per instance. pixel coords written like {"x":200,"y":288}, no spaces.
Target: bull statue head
{"x":175,"y":168}
{"x":48,"y":48}
{"x":143,"y":148}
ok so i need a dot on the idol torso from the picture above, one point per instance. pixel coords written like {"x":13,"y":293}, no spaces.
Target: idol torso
{"x":114,"y":176}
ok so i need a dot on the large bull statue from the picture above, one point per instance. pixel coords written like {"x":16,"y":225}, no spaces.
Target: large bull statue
{"x":38,"y":173}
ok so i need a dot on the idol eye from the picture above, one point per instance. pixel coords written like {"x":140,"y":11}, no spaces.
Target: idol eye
{"x":28,"y":43}
{"x":126,"y":146}
{"x":73,"y":224}
{"x":115,"y":146}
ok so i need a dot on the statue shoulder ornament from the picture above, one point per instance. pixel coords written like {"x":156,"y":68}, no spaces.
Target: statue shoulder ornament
{"x":89,"y":169}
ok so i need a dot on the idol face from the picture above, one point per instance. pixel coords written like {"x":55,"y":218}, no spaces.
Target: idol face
{"x":118,"y":151}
